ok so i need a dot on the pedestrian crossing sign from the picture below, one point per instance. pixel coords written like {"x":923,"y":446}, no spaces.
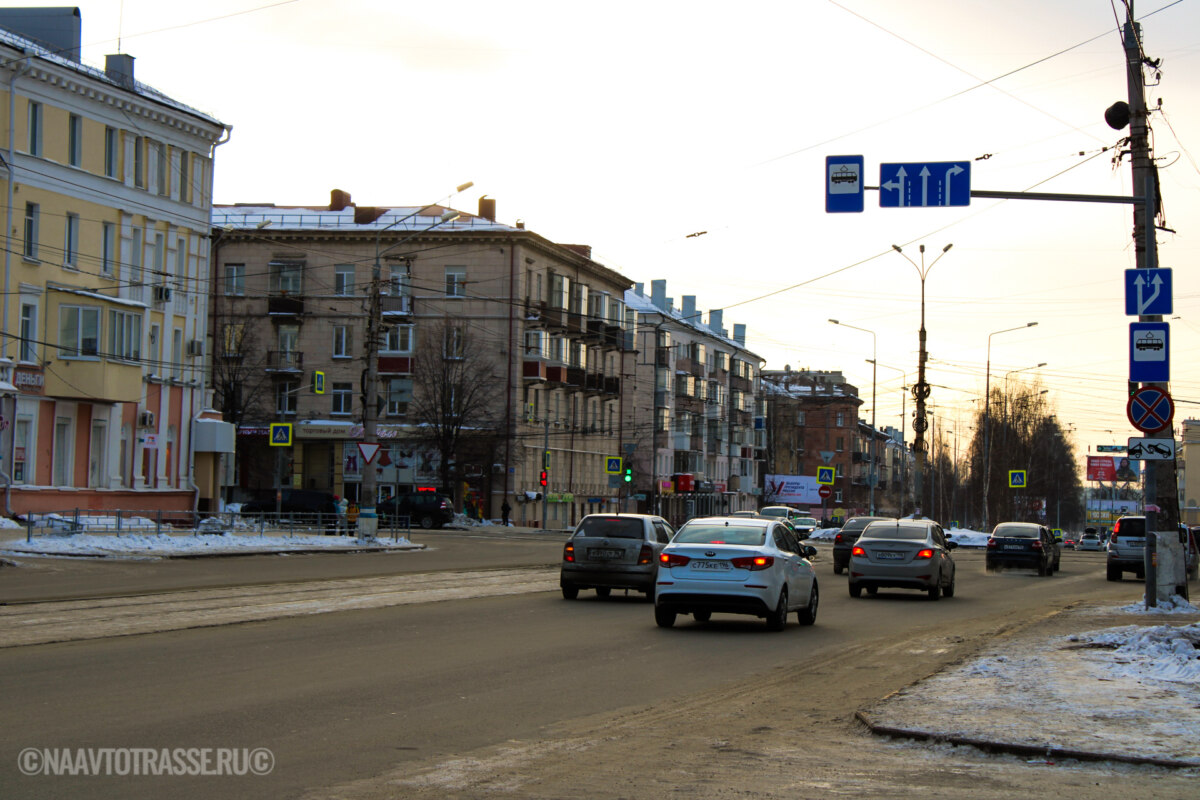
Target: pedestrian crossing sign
{"x":281,"y":434}
{"x":612,"y":465}
{"x":825,"y":475}
{"x":1016,"y":479}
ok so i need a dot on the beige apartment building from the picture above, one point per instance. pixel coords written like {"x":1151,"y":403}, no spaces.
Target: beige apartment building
{"x":519,"y":341}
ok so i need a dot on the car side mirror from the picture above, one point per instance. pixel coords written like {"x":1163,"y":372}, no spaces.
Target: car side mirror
{"x":809,"y":551}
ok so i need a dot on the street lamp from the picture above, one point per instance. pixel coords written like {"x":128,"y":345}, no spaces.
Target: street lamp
{"x":987,"y":418}
{"x":871,"y":472}
{"x":921,"y":389}
{"x":903,"y":425}
{"x":368,"y":522}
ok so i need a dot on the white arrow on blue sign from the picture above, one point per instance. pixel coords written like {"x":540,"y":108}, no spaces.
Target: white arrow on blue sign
{"x":938,"y":183}
{"x":1148,"y":292}
{"x":1149,"y":352}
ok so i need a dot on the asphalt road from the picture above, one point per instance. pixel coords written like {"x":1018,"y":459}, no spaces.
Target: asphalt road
{"x":353,"y":695}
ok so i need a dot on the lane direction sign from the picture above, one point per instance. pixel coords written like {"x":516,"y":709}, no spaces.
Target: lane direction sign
{"x":1151,"y":449}
{"x":1149,"y":352}
{"x":1148,"y":292}
{"x":937,"y":183}
{"x":1150,"y":409}
{"x":843,"y":184}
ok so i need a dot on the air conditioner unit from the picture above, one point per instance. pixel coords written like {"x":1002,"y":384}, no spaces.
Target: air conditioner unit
{"x":195,"y":347}
{"x":162,"y":294}
{"x":146,"y":419}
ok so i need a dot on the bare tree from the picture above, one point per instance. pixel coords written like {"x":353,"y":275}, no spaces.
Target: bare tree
{"x":240,"y":384}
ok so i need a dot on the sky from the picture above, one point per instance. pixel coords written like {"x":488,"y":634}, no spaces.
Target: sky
{"x":630,"y":125}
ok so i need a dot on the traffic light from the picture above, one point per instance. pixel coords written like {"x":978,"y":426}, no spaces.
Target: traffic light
{"x":629,"y":474}
{"x":543,"y":478}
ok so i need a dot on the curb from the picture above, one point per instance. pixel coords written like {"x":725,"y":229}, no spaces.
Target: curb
{"x":1012,"y":748}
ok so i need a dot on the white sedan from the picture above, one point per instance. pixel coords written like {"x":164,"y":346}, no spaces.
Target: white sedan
{"x":736,"y":565}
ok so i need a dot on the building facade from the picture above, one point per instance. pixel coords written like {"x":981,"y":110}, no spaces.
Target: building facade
{"x":694,"y":433}
{"x":109,"y":187}
{"x":500,"y":356}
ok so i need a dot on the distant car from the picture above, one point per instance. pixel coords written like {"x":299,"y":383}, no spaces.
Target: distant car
{"x":787,"y":512}
{"x":1127,"y":548}
{"x":296,"y":506}
{"x":902,"y":553}
{"x":1022,"y":544}
{"x":735,"y":565}
{"x":613,"y":551}
{"x":1090,"y":540}
{"x":423,"y":509}
{"x":1069,"y":541}
{"x":744,"y":514}
{"x":844,"y":540}
{"x":805,"y":526}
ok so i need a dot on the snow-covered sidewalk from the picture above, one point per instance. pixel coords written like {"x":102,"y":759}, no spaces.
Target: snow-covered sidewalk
{"x":1129,"y":692}
{"x":186,"y":545}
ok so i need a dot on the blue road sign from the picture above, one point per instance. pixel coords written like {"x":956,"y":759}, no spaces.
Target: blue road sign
{"x":1016,"y":478}
{"x":1148,"y":291}
{"x":612,"y":465}
{"x":939,"y":183}
{"x":843,"y":184}
{"x":1149,"y":352}
{"x":281,"y":434}
{"x":1150,"y":409}
{"x":825,"y":475}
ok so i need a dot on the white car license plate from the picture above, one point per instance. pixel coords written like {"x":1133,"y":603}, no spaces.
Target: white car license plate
{"x":890,"y":555}
{"x":604,"y":553}
{"x":1014,"y":547}
{"x":710,"y":565}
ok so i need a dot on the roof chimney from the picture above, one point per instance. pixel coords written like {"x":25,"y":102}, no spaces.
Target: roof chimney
{"x":716,"y":321}
{"x":640,"y":288}
{"x":119,"y":69}
{"x":487,"y":208}
{"x":689,"y":308}
{"x":338,"y":200}
{"x":739,"y":333}
{"x":658,"y":294}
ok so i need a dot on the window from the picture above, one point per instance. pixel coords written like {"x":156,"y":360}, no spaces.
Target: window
{"x":341,"y":341}
{"x":231,"y":339}
{"x":21,"y":450}
{"x":343,"y":398}
{"x":235,"y":279}
{"x":285,"y":397}
{"x":841,"y":420}
{"x":286,"y":277}
{"x":399,"y":395}
{"x":289,"y":338}
{"x":32,"y":215}
{"x":560,"y":291}
{"x":108,"y":247}
{"x":398,"y":339}
{"x":453,"y":345}
{"x":135,"y":264}
{"x":185,"y":162}
{"x":177,"y":353}
{"x":35,"y":128}
{"x":139,"y":162}
{"x":456,"y":281}
{"x":98,"y":454}
{"x":155,"y":354}
{"x":800,"y":418}
{"x":161,"y":183}
{"x":27,"y":348}
{"x":535,"y":344}
{"x":78,"y":331}
{"x":75,"y":140}
{"x":62,"y":451}
{"x":125,"y":335}
{"x":343,"y":279}
{"x":111,"y":157}
{"x":71,"y":242}
{"x":841,"y":443}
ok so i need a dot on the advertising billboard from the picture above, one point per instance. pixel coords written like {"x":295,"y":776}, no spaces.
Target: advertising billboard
{"x":1114,"y":469}
{"x":792,"y":489}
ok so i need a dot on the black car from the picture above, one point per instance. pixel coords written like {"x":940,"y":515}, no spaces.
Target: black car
{"x":1022,"y":544}
{"x":844,"y":540}
{"x":423,"y":509}
{"x":297,"y":506}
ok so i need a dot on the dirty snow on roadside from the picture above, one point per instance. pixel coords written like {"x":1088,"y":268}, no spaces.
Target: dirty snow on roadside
{"x":164,"y":545}
{"x":1127,"y":692}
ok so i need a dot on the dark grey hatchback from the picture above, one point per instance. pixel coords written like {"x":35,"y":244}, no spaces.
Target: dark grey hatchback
{"x":613,"y":551}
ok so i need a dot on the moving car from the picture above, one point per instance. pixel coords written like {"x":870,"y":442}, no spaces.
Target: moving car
{"x":844,"y":541}
{"x":1022,"y":544}
{"x":1090,"y":540}
{"x":613,"y":551}
{"x":736,"y":565}
{"x":423,"y":509}
{"x":902,"y":553}
{"x":805,"y":526}
{"x":1127,"y":548}
{"x":787,"y":512}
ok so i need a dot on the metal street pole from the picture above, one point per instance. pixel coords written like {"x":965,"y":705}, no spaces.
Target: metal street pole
{"x":871,"y":472}
{"x":903,"y":429}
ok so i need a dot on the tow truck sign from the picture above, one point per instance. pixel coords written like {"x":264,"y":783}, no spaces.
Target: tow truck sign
{"x":1151,"y":449}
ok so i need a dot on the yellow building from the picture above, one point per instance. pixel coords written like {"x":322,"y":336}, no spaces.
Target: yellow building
{"x":109,"y":192}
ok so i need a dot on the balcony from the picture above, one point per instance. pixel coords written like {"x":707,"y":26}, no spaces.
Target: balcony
{"x":555,"y":318}
{"x":612,"y":386}
{"x":284,"y":361}
{"x":574,"y":322}
{"x":662,"y":356}
{"x":534,"y":371}
{"x":398,"y":365}
{"x":285,"y":305}
{"x":576,"y":376}
{"x":556,"y":374}
{"x":614,"y":337}
{"x":395,"y":305}
{"x":594,"y":332}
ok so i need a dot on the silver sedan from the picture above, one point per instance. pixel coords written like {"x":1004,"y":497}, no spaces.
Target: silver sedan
{"x":906,"y":554}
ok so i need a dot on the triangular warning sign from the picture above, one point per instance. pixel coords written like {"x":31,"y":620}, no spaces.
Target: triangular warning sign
{"x":368,"y":451}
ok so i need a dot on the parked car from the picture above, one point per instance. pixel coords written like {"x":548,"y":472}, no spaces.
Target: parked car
{"x":613,"y":551}
{"x":735,"y":565}
{"x":844,"y":540}
{"x":423,"y":509}
{"x":902,"y":553}
{"x":1022,"y":544}
{"x":1127,"y":548}
{"x":1090,"y":540}
{"x":298,"y":506}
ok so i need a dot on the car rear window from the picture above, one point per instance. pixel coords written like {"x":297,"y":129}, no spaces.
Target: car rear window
{"x":893,"y":531}
{"x":856,"y":524}
{"x":1016,"y":532}
{"x":720,"y":534}
{"x":1131,"y":526}
{"x":611,"y":527}
{"x":806,"y":521}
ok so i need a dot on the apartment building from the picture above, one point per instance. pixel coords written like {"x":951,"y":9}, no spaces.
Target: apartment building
{"x":500,"y":356}
{"x":694,"y":426}
{"x":109,"y":186}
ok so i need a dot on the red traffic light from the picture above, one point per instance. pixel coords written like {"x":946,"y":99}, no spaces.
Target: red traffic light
{"x":543,"y":478}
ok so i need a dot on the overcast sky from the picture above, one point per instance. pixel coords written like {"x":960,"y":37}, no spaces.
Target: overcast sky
{"x":629,"y":125}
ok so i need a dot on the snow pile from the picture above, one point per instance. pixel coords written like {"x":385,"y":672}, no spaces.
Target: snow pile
{"x":1174,"y":605}
{"x":965,"y":537}
{"x":824,"y":534}
{"x":142,"y":544}
{"x":1162,"y":653}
